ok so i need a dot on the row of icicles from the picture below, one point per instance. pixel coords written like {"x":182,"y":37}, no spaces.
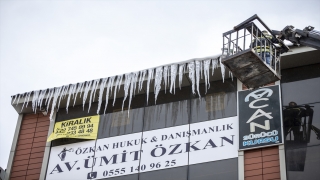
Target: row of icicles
{"x":168,"y":73}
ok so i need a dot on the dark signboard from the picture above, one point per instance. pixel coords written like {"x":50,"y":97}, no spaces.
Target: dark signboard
{"x":260,"y":119}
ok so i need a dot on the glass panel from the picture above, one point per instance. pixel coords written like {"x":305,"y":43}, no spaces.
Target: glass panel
{"x":303,"y":163}
{"x":63,"y":141}
{"x":220,"y":101}
{"x":301,"y":117}
{"x":295,"y":74}
{"x":225,"y":169}
{"x":302,"y":126}
{"x":128,"y":177}
{"x":301,"y":92}
{"x":76,"y":112}
{"x":120,"y":123}
{"x":170,"y":110}
{"x":117,"y":122}
{"x":179,"y":173}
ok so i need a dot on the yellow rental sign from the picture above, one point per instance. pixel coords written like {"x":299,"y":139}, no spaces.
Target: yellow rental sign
{"x":81,"y":128}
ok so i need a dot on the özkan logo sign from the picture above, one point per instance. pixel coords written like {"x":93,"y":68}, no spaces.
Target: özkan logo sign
{"x":148,"y":151}
{"x":259,"y":117}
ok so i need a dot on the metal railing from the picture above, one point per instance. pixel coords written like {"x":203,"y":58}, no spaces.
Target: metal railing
{"x":249,"y":36}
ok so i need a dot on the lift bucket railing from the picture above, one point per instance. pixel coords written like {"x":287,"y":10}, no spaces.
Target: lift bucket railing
{"x":249,"y":36}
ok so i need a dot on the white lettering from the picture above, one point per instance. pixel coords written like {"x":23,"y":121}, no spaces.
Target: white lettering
{"x":251,"y":105}
{"x":259,"y":113}
{"x":254,"y":94}
{"x":265,"y":127}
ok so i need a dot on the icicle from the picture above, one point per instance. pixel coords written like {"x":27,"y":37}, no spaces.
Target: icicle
{"x":93,"y":91}
{"x":86,"y":91}
{"x":157,"y":82}
{"x":41,"y":96}
{"x":141,"y":78}
{"x":35,"y":100}
{"x":201,"y":69}
{"x":23,"y":95}
{"x":173,"y":75}
{"x":231,"y":75}
{"x":117,"y":87}
{"x":79,"y":89}
{"x":223,"y":68}
{"x":71,"y":93}
{"x":191,"y":75}
{"x":49,"y":97}
{"x":18,"y":99}
{"x":181,"y":72}
{"x":25,"y":100}
{"x":206,"y":70}
{"x":54,"y":101}
{"x":198,"y":72}
{"x":101,"y":89}
{"x":150,"y":77}
{"x":14,"y":98}
{"x":136,"y":75}
{"x":165,"y":77}
{"x":64,"y":91}
{"x":126,"y":86}
{"x":133,"y":83}
{"x":109,"y":88}
{"x":214,"y":65}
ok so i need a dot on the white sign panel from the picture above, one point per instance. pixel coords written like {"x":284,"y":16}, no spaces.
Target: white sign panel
{"x":165,"y":148}
{"x":72,"y":160}
{"x":146,"y":151}
{"x":213,"y":140}
{"x":120,"y":157}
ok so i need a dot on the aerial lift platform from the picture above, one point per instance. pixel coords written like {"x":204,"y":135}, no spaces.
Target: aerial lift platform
{"x":243,"y":47}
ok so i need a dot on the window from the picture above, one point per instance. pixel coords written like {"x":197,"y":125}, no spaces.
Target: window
{"x":117,"y":122}
{"x":224,"y":169}
{"x":170,"y":110}
{"x":220,"y":101}
{"x":178,"y":173}
{"x":301,"y":121}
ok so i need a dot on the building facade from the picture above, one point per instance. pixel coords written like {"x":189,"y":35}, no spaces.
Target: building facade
{"x":187,"y":133}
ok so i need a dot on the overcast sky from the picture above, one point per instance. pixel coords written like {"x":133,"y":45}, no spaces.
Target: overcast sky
{"x":46,"y":44}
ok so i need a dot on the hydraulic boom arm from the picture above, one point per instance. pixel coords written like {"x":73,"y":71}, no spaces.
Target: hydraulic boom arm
{"x":307,"y":37}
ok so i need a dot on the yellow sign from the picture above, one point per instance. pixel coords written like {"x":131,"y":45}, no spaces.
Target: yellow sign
{"x":81,"y":128}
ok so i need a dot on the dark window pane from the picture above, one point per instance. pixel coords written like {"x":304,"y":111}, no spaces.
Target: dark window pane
{"x":300,"y":73}
{"x":167,"y":115}
{"x":303,"y":163}
{"x":170,"y":110}
{"x":301,"y":126}
{"x":179,"y":173}
{"x":128,"y":177}
{"x":63,"y":141}
{"x":117,"y":122}
{"x":120,"y":123}
{"x":224,"y":169}
{"x":76,"y":112}
{"x":220,"y":101}
{"x":301,"y":92}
